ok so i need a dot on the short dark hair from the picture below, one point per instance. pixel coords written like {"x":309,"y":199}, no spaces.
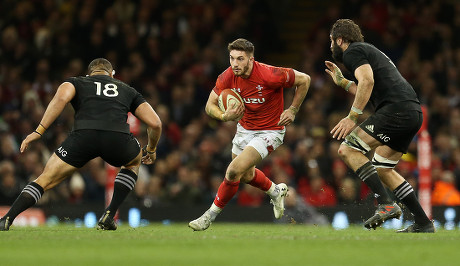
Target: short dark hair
{"x":100,"y":64}
{"x":348,"y":30}
{"x":241,"y":45}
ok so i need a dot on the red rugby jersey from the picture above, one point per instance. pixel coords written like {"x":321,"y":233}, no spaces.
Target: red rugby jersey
{"x":262,"y":93}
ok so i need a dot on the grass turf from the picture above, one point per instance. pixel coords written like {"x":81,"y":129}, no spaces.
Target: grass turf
{"x":225,"y":244}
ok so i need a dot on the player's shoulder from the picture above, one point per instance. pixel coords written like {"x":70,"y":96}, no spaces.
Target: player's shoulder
{"x":360,"y":46}
{"x":270,"y":73}
{"x":264,"y":67}
{"x":73,"y":79}
{"x":226,"y":76}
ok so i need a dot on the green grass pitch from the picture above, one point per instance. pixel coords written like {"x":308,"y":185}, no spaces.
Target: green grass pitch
{"x":226,"y":244}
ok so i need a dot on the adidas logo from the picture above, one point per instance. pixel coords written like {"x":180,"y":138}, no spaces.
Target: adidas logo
{"x":370,"y":128}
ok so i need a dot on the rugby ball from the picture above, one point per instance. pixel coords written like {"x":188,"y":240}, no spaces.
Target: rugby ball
{"x":229,"y":97}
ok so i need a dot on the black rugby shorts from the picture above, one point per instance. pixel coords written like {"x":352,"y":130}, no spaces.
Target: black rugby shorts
{"x":395,"y":130}
{"x":115,"y":148}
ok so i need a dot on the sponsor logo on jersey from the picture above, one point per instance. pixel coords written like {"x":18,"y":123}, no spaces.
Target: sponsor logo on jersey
{"x":370,"y":128}
{"x":254,"y":100}
{"x":259,"y":90}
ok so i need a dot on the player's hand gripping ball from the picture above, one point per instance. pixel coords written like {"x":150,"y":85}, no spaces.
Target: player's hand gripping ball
{"x":229,"y":98}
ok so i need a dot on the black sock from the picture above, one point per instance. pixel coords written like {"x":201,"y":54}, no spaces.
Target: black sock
{"x":405,"y":193}
{"x":124,"y":183}
{"x":369,"y":176}
{"x":28,"y":197}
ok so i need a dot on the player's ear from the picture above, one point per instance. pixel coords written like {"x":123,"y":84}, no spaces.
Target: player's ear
{"x":339,"y":41}
{"x":113,"y":72}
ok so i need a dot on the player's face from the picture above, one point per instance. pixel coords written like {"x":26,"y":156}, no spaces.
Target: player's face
{"x":337,"y":52}
{"x":240,"y":63}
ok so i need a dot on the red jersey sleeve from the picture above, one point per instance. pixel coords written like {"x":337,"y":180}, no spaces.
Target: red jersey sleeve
{"x":277,"y":77}
{"x":223,"y":81}
{"x":283,"y":77}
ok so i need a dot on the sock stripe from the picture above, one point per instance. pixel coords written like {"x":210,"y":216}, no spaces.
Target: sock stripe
{"x":403,"y":193}
{"x":124,"y":183}
{"x":126,"y":180}
{"x":34,"y":192}
{"x":404,"y":190}
{"x":367,"y":172}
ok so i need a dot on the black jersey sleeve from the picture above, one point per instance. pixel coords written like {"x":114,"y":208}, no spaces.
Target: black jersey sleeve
{"x":70,"y":80}
{"x":137,"y":100}
{"x":353,"y":58}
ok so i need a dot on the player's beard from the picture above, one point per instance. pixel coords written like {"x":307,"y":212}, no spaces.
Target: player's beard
{"x":243,"y":71}
{"x":337,"y":53}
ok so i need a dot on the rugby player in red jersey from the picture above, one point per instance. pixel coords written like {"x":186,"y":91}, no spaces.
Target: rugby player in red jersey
{"x":261,"y":128}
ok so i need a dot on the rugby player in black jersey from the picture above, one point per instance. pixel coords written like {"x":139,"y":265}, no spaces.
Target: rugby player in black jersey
{"x":101,"y":106}
{"x":388,"y":131}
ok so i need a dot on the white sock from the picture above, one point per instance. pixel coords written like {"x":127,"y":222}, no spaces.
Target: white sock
{"x":214,"y":211}
{"x":273,"y":191}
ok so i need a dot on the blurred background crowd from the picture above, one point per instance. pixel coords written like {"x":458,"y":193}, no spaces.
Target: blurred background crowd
{"x":173,"y":51}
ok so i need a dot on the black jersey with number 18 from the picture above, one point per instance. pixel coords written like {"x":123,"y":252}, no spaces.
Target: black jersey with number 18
{"x":103,"y":103}
{"x":390,"y":87}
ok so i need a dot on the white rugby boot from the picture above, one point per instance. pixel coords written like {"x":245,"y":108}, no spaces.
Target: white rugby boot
{"x":278,"y":201}
{"x":202,"y":223}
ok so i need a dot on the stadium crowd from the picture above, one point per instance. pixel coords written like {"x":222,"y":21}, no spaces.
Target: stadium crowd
{"x":172,"y":52}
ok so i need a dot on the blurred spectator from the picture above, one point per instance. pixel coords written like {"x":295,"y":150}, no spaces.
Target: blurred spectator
{"x":444,"y":192}
{"x":318,"y":193}
{"x":348,"y":191}
{"x":10,"y":186}
{"x":250,"y":196}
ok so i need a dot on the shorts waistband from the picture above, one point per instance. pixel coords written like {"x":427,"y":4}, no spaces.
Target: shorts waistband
{"x":101,"y":125}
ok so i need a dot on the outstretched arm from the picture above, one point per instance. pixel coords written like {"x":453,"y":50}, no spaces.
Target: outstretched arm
{"x":64,"y":95}
{"x":302,"y":83}
{"x":147,"y":115}
{"x":334,"y":71}
{"x":365,"y":77}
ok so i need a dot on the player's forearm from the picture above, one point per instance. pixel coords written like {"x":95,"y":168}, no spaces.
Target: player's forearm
{"x":353,"y":88}
{"x":54,"y":109}
{"x":302,"y":85}
{"x":154,"y":134}
{"x":214,"y":111}
{"x":363,"y":93}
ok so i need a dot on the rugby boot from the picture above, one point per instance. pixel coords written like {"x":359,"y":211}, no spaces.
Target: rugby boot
{"x":416,"y":228}
{"x":383,"y":213}
{"x":278,"y":201}
{"x":5,"y":224}
{"x":106,"y":222}
{"x":202,"y":223}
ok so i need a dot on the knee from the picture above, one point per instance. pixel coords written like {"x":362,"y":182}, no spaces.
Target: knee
{"x":343,"y":152}
{"x":233,"y":173}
